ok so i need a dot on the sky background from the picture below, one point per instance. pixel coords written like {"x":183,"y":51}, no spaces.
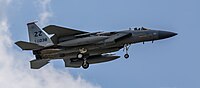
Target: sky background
{"x":169,"y":63}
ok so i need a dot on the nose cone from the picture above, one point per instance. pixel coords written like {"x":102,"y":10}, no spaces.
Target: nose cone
{"x":166,"y":34}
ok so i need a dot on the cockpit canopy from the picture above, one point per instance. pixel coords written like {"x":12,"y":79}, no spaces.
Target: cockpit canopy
{"x":142,"y":28}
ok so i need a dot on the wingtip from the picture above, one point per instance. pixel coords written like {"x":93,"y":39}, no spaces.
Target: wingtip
{"x":33,"y":22}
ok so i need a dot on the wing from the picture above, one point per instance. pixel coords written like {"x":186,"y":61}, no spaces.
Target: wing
{"x":60,"y":32}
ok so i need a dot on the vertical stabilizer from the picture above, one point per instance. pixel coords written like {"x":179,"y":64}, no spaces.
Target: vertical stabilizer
{"x":37,"y":36}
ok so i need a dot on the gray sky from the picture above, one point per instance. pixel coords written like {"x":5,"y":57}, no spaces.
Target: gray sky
{"x":170,"y":63}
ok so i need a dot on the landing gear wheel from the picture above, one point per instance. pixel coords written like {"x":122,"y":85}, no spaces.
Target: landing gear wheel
{"x":80,"y":55}
{"x":83,"y":50}
{"x":85,"y":64}
{"x":126,"y":56}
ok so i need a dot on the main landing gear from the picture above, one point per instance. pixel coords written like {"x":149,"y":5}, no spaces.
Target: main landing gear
{"x":126,"y":47}
{"x":85,"y":64}
{"x":82,"y":55}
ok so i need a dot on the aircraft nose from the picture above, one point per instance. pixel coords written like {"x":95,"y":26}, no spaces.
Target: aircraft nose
{"x":166,"y":34}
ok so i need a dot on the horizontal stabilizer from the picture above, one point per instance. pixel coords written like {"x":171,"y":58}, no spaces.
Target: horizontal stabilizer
{"x":28,"y":46}
{"x":37,"y":64}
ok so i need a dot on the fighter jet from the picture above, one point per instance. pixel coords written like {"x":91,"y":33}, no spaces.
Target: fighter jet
{"x":80,"y":48}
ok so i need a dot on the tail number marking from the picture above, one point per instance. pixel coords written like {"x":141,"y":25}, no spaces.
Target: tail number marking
{"x":41,"y":40}
{"x":38,"y":33}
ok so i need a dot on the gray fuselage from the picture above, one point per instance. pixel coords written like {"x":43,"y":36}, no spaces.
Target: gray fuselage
{"x":113,"y":41}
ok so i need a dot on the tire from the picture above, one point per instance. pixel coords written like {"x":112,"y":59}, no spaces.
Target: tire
{"x":80,"y":55}
{"x":126,"y":56}
{"x":85,"y":65}
{"x":83,"y":50}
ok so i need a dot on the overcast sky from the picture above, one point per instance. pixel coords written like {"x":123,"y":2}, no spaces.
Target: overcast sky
{"x":169,"y":63}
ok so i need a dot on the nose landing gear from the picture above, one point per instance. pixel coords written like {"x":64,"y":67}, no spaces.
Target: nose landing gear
{"x":126,"y":47}
{"x":85,"y":64}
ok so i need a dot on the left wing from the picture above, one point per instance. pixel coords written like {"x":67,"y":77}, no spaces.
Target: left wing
{"x":60,"y":32}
